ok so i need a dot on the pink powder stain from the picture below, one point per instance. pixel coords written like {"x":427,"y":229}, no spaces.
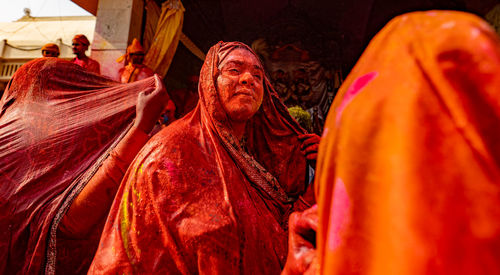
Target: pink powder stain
{"x":448,"y":25}
{"x":340,"y":209}
{"x":356,"y":87}
{"x":325,"y":132}
{"x":474,"y":33}
{"x":170,"y":166}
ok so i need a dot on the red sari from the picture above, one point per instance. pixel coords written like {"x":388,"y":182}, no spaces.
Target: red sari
{"x":408,"y":172}
{"x":58,"y":123}
{"x":194,"y":201}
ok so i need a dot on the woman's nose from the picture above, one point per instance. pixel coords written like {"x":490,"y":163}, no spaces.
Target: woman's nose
{"x":246,"y":78}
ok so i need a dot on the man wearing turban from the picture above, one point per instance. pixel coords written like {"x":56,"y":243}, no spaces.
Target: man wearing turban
{"x":80,"y":45}
{"x":134,"y":69}
{"x":50,"y":50}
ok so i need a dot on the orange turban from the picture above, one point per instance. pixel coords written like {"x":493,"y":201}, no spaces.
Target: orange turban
{"x":51,"y":47}
{"x":135,"y":47}
{"x":81,"y":39}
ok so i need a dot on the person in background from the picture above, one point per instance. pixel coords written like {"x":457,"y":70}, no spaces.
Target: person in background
{"x":408,"y":174}
{"x":186,"y":99}
{"x":134,"y":68}
{"x":80,"y":45}
{"x":50,"y":50}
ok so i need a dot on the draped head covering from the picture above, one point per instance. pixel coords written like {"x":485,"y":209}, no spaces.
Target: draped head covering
{"x":408,"y":174}
{"x":51,"y":47}
{"x":195,"y":200}
{"x":58,"y":122}
{"x":81,"y":39}
{"x":134,"y":48}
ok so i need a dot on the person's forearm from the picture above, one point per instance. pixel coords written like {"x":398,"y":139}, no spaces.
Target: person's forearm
{"x":94,"y":202}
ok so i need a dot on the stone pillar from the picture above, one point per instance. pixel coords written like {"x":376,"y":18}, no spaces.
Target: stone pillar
{"x":118,"y":22}
{"x":2,"y":47}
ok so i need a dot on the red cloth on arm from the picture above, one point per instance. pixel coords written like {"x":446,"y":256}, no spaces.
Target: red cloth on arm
{"x":58,"y":122}
{"x":194,"y":201}
{"x":98,"y":195}
{"x":82,"y":225}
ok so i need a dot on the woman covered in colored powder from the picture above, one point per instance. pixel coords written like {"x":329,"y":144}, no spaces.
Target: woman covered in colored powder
{"x":212,"y":192}
{"x":409,"y":165}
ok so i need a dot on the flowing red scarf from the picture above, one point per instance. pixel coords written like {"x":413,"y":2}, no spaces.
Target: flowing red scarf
{"x":58,"y":122}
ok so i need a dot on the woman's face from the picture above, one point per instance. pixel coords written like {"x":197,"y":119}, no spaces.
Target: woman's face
{"x":240,"y":85}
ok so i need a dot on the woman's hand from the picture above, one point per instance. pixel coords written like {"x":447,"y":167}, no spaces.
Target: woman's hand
{"x":309,"y":147}
{"x":150,"y":104}
{"x":302,"y":242}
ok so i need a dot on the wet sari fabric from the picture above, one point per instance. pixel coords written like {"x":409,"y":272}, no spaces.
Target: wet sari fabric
{"x":195,"y":201}
{"x":58,"y":123}
{"x":408,"y":169}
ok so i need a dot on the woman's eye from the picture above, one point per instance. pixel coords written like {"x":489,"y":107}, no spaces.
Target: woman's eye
{"x":233,"y":70}
{"x":257,"y":76}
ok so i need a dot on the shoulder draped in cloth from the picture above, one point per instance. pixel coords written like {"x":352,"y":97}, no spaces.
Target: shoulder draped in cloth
{"x":408,"y":175}
{"x":58,"y":122}
{"x":195,"y":201}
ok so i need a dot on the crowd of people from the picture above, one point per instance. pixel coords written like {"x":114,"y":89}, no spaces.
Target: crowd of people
{"x":404,"y":179}
{"x":133,"y":69}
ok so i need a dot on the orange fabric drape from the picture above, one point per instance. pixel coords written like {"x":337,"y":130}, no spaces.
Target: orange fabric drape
{"x":153,"y":12}
{"x":166,"y":39}
{"x":408,"y":176}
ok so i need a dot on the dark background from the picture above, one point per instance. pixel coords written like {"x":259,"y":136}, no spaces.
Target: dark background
{"x":334,"y":32}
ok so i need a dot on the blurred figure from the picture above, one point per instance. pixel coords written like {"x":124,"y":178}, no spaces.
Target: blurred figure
{"x":281,"y":85}
{"x":134,"y":69}
{"x":408,"y":174}
{"x":50,"y":50}
{"x":186,"y":99}
{"x":80,"y":45}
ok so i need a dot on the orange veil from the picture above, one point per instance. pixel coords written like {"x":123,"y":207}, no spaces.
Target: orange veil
{"x":408,"y":175}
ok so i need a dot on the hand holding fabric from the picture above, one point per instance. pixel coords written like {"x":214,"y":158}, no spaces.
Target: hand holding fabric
{"x":150,"y":104}
{"x":310,"y":144}
{"x":302,"y":242}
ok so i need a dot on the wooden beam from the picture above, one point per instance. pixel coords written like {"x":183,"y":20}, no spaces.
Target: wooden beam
{"x":88,"y":5}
